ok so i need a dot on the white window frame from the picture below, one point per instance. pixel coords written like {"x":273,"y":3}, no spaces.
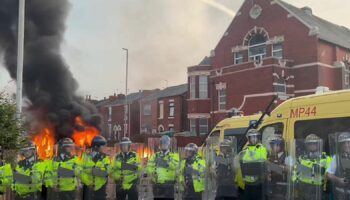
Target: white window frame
{"x":283,"y":85}
{"x":203,"y":87}
{"x":203,"y":125}
{"x":171,"y":109}
{"x":193,"y":126}
{"x":221,"y":103}
{"x":147,"y":108}
{"x":161,"y":110}
{"x":274,"y":51}
{"x":238,"y":58}
{"x":110,"y":111}
{"x":257,"y":57}
{"x":192,"y":87}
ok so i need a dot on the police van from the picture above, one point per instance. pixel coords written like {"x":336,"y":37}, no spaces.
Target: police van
{"x":234,"y":126}
{"x":320,"y":114}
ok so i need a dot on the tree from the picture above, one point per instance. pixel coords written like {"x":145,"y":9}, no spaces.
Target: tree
{"x":11,"y":129}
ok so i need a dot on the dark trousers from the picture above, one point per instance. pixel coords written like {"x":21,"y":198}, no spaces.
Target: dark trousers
{"x":253,"y":192}
{"x":163,"y":191}
{"x":310,"y":192}
{"x":66,"y":195}
{"x":31,"y":196}
{"x":190,"y":194}
{"x":132,"y":193}
{"x":226,"y":192}
{"x":91,"y":194}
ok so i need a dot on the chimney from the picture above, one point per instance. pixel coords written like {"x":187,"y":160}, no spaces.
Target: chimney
{"x":307,"y":10}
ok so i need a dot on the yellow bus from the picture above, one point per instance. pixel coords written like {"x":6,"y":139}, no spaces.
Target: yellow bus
{"x":320,"y":114}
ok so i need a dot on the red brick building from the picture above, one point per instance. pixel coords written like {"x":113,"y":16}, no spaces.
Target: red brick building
{"x":172,"y":109}
{"x":270,"y":48}
{"x":112,"y":111}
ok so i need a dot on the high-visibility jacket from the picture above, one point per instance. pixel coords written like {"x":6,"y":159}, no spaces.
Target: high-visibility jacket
{"x":34,"y":173}
{"x":88,"y":165}
{"x":195,"y":171}
{"x":253,"y":154}
{"x":311,"y":171}
{"x":126,"y":169}
{"x":54,"y":178}
{"x":162,"y":168}
{"x":5,"y":177}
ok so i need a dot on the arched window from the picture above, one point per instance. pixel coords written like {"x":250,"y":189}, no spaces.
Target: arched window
{"x":257,"y":47}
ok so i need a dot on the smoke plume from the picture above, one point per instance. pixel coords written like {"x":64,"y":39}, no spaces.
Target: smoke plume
{"x":47,"y":81}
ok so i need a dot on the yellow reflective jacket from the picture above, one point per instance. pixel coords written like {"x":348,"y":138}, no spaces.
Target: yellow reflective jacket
{"x":197,"y":172}
{"x":162,"y":168}
{"x":253,"y":153}
{"x":126,"y":169}
{"x":34,"y":172}
{"x":5,"y":177}
{"x":53,"y":179}
{"x":88,"y":166}
{"x":314,"y":177}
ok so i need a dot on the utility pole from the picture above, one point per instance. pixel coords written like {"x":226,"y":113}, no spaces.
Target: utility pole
{"x":126,"y":112}
{"x":20,"y":47}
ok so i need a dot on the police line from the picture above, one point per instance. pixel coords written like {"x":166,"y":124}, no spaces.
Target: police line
{"x":279,"y":170}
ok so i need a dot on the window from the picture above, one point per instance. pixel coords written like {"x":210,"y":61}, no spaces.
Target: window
{"x":192,"y":87}
{"x":203,"y":87}
{"x":257,"y":48}
{"x":270,"y":130}
{"x":161,"y":110}
{"x":171,"y":109}
{"x":193,"y":129}
{"x":277,"y":50}
{"x":222,"y":99}
{"x":322,"y":128}
{"x":239,"y":133}
{"x":109,"y":113}
{"x":147,"y":110}
{"x":203,"y":126}
{"x":281,"y":86}
{"x":171,"y":128}
{"x":238,"y":58}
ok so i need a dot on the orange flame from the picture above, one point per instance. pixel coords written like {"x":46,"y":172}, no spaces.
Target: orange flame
{"x":45,"y":142}
{"x":84,"y":138}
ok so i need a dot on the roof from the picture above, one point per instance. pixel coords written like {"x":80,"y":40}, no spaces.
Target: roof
{"x":173,"y":91}
{"x":131,"y":97}
{"x":326,"y":30}
{"x":206,"y":61}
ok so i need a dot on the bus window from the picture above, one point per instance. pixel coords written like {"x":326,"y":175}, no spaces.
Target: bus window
{"x":322,"y":128}
{"x":269,"y":130}
{"x":214,"y":137}
{"x":239,"y":133}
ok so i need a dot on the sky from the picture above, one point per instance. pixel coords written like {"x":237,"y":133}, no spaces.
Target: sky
{"x":164,"y":37}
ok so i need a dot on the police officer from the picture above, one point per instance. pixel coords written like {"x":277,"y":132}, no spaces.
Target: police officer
{"x":28,"y":174}
{"x":5,"y":174}
{"x":277,"y":169}
{"x":338,"y":171}
{"x":162,"y":168}
{"x":126,"y":168}
{"x":63,"y":171}
{"x":225,"y":172}
{"x":310,"y":170}
{"x":252,"y":161}
{"x":192,"y":173}
{"x":94,"y":172}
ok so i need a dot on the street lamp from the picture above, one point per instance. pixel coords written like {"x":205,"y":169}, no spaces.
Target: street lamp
{"x":126,"y":107}
{"x":20,"y":47}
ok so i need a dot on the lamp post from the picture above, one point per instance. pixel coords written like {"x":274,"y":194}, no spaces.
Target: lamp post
{"x":20,"y":46}
{"x":126,"y":107}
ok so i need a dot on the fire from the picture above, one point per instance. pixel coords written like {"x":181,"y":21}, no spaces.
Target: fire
{"x":85,"y":136}
{"x":45,"y":142}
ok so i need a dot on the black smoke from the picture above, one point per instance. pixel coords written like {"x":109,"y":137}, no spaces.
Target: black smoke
{"x":47,"y":81}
